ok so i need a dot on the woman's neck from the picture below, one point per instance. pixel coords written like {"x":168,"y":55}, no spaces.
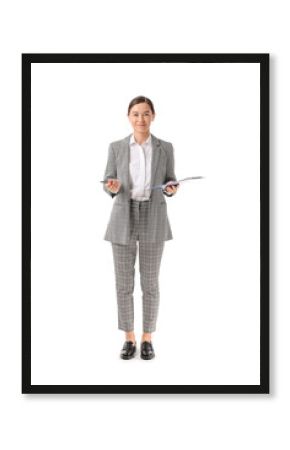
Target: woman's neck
{"x":141,"y":137}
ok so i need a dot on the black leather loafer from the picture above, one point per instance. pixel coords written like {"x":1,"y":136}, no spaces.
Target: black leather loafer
{"x":128,"y":351}
{"x":147,"y":351}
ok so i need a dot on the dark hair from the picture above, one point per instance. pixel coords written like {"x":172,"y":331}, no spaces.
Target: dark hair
{"x":141,"y":99}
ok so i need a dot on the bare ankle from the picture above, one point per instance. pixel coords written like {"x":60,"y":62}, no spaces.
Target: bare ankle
{"x":130,"y":336}
{"x":146,"y":337}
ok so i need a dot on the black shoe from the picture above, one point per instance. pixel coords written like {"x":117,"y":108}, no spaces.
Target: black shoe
{"x":128,"y":351}
{"x":147,"y":351}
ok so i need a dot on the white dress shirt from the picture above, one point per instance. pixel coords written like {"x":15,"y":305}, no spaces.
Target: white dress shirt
{"x":140,"y":168}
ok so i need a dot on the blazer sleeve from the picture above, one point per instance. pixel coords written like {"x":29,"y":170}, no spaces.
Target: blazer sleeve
{"x":111,"y":169}
{"x":170,"y":173}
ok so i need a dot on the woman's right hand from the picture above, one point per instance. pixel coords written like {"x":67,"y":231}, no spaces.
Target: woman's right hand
{"x":113,"y":185}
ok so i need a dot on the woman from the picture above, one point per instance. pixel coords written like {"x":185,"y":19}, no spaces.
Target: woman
{"x":136,"y":164}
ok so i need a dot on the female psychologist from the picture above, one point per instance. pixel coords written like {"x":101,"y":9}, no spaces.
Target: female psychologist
{"x":136,"y":164}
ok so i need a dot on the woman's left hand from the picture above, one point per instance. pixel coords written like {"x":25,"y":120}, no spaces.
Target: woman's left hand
{"x":172,"y":189}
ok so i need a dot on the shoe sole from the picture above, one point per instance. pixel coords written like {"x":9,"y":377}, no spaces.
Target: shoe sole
{"x":147,"y":357}
{"x":127,"y":357}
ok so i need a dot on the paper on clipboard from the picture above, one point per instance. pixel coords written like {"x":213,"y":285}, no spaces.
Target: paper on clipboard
{"x":174,"y":183}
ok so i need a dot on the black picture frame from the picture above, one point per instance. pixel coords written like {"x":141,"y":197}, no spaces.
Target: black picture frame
{"x":263,"y":60}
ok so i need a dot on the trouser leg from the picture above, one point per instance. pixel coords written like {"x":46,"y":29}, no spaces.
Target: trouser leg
{"x":124,"y":265}
{"x":150,"y":255}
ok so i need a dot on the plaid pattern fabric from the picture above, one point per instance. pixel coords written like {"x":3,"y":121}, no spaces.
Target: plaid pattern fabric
{"x":150,"y":255}
{"x":162,"y":170}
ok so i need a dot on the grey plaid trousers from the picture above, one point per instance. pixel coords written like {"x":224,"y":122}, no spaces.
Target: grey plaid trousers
{"x":150,"y":254}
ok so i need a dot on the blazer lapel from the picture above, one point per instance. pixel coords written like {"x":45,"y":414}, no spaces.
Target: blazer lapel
{"x":156,"y":148}
{"x":126,"y":160}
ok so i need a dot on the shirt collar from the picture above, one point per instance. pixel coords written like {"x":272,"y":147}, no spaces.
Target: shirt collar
{"x":132,"y":139}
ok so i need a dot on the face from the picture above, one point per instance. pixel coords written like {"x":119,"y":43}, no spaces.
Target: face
{"x":140,"y":117}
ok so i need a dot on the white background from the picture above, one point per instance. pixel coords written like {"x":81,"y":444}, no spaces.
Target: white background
{"x":209,"y":315}
{"x":89,"y":421}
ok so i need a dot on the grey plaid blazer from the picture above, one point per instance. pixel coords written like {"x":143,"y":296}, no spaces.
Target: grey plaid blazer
{"x":162,"y":170}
